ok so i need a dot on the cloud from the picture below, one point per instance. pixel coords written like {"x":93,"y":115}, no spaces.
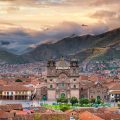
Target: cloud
{"x":104,"y":13}
{"x":110,"y":18}
{"x":20,"y":40}
{"x":105,"y":2}
{"x":34,"y":2}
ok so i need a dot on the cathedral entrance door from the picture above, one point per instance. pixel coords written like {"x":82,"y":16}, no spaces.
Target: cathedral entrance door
{"x":62,"y":95}
{"x":44,"y":97}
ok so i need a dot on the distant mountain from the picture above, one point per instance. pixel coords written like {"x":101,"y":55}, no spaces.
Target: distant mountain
{"x":105,"y":46}
{"x":10,"y":58}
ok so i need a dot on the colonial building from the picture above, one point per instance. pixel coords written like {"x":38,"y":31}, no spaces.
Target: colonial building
{"x":62,"y":79}
{"x":98,"y":90}
{"x":114,"y":92}
{"x":13,"y":92}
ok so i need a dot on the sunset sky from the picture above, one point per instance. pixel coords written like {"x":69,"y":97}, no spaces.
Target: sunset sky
{"x":55,"y":19}
{"x":42,"y":14}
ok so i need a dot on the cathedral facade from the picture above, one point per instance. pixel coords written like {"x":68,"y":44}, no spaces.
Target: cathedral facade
{"x":62,"y":79}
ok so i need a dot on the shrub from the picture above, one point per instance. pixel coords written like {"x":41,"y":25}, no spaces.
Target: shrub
{"x":18,"y":80}
{"x":84,"y":101}
{"x":58,"y":100}
{"x":64,"y":107}
{"x":99,"y":101}
{"x":62,"y":100}
{"x":73,"y":100}
{"x":92,"y":100}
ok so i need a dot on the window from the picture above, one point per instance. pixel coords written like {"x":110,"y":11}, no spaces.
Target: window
{"x":81,"y":89}
{"x":74,"y":79}
{"x":74,"y":86}
{"x":62,"y":84}
{"x":51,"y":86}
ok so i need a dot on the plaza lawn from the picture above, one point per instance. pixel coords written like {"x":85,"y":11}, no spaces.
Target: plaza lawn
{"x":64,"y":107}
{"x":64,"y":104}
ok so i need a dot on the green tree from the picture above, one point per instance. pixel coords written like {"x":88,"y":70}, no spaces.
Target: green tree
{"x":18,"y":80}
{"x":84,"y":101}
{"x":58,"y":100}
{"x":99,"y":101}
{"x":73,"y":100}
{"x":92,"y":100}
{"x":62,"y":100}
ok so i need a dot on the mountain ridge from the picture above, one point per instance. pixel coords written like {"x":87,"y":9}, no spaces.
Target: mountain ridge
{"x":104,"y":46}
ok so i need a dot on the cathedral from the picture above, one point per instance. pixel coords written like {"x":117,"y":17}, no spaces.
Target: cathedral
{"x":62,"y":79}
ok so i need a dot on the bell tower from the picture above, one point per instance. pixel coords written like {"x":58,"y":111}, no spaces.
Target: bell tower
{"x":51,"y":68}
{"x":74,"y":67}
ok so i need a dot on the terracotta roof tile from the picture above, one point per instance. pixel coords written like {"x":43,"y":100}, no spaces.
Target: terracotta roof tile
{"x":89,"y":116}
{"x":115,"y":87}
{"x":10,"y":107}
{"x":15,"y":88}
{"x":4,"y":115}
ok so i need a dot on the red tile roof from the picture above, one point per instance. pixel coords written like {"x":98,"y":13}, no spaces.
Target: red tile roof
{"x":15,"y":88}
{"x":4,"y":115}
{"x":89,"y":116}
{"x":10,"y":107}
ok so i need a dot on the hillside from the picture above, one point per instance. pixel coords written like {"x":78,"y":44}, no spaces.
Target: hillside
{"x":104,"y":46}
{"x":6,"y":57}
{"x":88,"y":47}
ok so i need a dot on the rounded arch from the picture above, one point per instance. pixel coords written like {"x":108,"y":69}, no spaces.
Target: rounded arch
{"x":62,"y":95}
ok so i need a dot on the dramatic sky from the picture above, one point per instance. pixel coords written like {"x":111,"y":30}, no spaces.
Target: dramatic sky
{"x":46,"y":20}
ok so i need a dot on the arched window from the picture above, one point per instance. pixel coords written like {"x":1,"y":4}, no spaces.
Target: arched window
{"x":51,"y":86}
{"x":62,"y":84}
{"x":62,"y":95}
{"x":74,"y":79}
{"x":74,"y":86}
